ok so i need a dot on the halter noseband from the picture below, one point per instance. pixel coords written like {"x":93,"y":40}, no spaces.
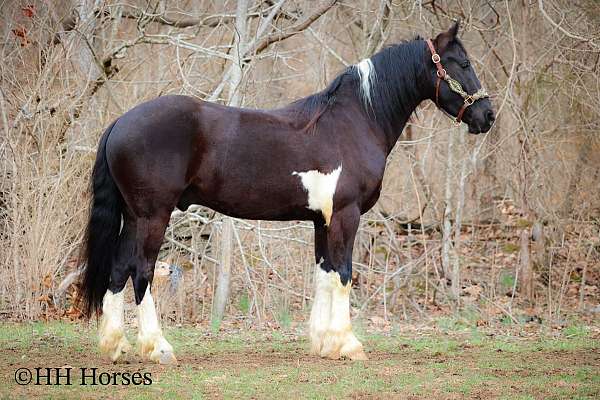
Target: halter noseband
{"x":454,"y":85}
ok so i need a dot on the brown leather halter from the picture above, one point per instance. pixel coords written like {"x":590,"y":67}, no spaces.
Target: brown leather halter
{"x":454,"y":85}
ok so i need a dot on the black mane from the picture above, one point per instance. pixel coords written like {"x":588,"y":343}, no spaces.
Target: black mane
{"x":394,"y":91}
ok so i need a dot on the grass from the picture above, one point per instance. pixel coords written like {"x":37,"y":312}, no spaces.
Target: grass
{"x":276,"y":365}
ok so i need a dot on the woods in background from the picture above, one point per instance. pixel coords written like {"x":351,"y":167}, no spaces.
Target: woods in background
{"x":505,"y":225}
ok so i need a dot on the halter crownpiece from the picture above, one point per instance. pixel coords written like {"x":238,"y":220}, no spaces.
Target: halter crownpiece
{"x":454,"y":85}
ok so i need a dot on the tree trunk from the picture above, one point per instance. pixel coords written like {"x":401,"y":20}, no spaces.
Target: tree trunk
{"x":527,"y":279}
{"x":446,"y":223}
{"x":526,"y":287}
{"x":235,"y":99}
{"x":460,"y":201}
{"x":487,"y":192}
{"x":574,"y":182}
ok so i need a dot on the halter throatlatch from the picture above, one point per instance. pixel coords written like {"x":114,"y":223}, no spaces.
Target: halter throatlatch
{"x":454,"y":85}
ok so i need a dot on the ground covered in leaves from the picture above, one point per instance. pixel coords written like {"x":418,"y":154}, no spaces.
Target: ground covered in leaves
{"x":429,"y":363}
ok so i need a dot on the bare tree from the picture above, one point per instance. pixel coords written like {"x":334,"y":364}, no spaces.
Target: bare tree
{"x":235,"y":100}
{"x":511,"y":212}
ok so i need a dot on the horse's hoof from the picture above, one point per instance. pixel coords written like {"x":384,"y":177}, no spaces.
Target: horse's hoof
{"x":335,"y":345}
{"x":115,"y":348}
{"x":167,"y":358}
{"x":357,"y":356}
{"x":125,"y":347}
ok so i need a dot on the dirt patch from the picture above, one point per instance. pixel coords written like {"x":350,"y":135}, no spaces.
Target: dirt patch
{"x":258,"y":370}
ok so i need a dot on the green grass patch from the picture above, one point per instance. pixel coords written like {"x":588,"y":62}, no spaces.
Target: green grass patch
{"x":275,"y":364}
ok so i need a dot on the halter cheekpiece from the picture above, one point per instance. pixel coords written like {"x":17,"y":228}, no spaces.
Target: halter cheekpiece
{"x":454,"y":85}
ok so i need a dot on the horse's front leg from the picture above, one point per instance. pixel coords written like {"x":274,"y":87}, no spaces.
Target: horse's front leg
{"x":330,"y":328}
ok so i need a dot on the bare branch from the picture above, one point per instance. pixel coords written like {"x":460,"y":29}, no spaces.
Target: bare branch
{"x":563,"y":30}
{"x":212,"y":20}
{"x":294,"y":29}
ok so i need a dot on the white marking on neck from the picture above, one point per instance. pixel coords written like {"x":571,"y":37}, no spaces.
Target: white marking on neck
{"x":366,"y":73}
{"x":321,"y":188}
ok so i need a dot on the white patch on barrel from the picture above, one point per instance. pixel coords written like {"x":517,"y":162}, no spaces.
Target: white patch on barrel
{"x":150,"y":338}
{"x":366,"y":73}
{"x":321,"y":188}
{"x":112,"y":332}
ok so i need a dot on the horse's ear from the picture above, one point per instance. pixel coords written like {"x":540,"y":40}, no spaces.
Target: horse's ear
{"x":454,"y":29}
{"x":442,"y":40}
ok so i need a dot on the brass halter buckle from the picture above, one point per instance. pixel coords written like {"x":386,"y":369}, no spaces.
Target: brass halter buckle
{"x":469,"y":100}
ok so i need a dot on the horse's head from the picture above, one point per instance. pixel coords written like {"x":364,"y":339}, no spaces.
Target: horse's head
{"x":456,"y":88}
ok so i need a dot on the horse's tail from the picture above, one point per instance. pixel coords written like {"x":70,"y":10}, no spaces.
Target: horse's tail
{"x":102,"y":232}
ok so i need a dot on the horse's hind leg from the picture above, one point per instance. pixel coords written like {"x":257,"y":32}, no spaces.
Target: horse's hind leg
{"x":112,"y":333}
{"x":331,"y":330}
{"x":151,"y":342}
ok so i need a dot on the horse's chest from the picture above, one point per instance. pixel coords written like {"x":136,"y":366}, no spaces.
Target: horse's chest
{"x":329,"y":189}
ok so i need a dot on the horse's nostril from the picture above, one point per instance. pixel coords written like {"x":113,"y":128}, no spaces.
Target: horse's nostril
{"x":489,"y":115}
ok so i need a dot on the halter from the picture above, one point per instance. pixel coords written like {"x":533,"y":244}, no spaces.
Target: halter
{"x":454,"y":85}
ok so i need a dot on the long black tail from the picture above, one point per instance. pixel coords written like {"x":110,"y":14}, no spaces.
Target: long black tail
{"x":102,"y":232}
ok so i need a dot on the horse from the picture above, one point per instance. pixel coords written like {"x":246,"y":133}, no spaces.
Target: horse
{"x":319,"y":159}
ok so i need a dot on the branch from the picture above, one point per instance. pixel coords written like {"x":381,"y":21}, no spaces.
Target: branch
{"x":258,"y":46}
{"x":293,"y":29}
{"x":212,"y":20}
{"x":563,"y":30}
{"x":179,"y":42}
{"x":328,"y":48}
{"x":377,"y":34}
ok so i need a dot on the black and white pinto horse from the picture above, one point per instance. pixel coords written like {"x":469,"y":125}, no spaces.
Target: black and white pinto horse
{"x":320,"y":159}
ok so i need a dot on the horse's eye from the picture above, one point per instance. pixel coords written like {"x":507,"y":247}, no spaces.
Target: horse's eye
{"x":465,"y":64}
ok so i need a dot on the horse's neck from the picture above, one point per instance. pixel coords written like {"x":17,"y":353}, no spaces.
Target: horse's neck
{"x":394,"y":134}
{"x":394,"y":129}
{"x":413,"y":90}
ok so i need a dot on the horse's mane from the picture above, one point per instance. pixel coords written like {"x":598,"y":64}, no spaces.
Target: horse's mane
{"x":392,"y":86}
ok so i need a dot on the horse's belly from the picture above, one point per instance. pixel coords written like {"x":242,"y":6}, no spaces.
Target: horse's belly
{"x":251,"y":200}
